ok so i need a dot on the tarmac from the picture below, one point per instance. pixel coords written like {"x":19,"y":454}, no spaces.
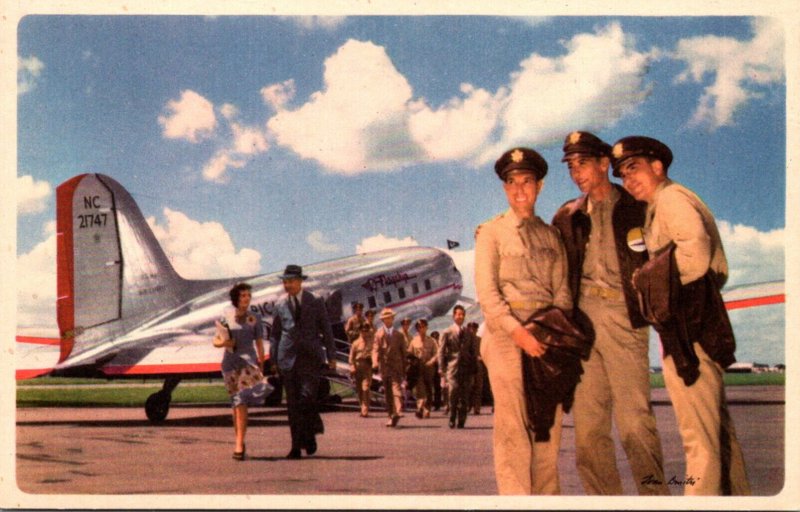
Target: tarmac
{"x":117,"y":451}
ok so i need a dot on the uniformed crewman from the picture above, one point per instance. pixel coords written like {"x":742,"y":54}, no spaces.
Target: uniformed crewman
{"x":602,"y":234}
{"x":520,"y":267}
{"x":353,"y":325}
{"x":675,"y":214}
{"x":423,"y":347}
{"x":361,"y":366}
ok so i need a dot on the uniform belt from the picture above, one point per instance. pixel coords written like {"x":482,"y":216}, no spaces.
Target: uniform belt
{"x":603,"y":293}
{"x":532,"y":305}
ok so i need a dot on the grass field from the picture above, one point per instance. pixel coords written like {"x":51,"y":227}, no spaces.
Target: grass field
{"x":68,"y":392}
{"x":64,"y":392}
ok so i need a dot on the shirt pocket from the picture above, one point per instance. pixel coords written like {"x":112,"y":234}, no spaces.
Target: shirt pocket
{"x":542,"y":261}
{"x":513,"y":263}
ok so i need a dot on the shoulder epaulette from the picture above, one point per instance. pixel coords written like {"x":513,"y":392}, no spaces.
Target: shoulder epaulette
{"x":477,"y":229}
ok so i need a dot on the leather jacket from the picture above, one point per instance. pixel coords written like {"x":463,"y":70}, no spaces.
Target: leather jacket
{"x":684,"y":314}
{"x":550,"y":379}
{"x":575,"y":225}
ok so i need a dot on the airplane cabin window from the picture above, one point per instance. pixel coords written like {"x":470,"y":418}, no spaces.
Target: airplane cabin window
{"x":414,"y":288}
{"x":427,"y":285}
{"x":402,"y":292}
{"x":387,"y":297}
{"x":371,"y":302}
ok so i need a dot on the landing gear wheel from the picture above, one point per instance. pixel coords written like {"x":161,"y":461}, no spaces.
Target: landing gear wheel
{"x":157,"y":406}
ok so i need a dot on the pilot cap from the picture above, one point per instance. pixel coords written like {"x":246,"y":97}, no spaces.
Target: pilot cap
{"x":584,"y":143}
{"x":520,"y":159}
{"x":638,"y":145}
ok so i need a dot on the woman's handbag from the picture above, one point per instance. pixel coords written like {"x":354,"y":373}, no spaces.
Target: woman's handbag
{"x":222,"y":336}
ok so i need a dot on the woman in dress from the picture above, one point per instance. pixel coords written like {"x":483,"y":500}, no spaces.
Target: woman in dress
{"x":243,"y":360}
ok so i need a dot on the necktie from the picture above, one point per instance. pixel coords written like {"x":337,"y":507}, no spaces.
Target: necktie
{"x":296,"y":308}
{"x":524,"y":232}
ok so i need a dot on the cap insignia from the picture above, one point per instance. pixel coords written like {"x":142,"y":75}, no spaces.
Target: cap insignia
{"x":516,"y":156}
{"x":574,"y":137}
{"x":618,"y":150}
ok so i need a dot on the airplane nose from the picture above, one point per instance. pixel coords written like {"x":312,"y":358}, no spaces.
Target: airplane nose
{"x":457,"y":280}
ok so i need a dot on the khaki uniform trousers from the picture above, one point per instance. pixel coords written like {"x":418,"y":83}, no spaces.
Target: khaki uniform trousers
{"x":363,"y":380}
{"x":521,"y":465}
{"x":616,"y":382}
{"x":423,"y":391}
{"x":714,"y":461}
{"x":392,"y":387}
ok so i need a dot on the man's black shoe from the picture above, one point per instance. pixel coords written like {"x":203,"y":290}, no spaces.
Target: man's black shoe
{"x":311,"y":447}
{"x":452,"y":423}
{"x":294,"y":454}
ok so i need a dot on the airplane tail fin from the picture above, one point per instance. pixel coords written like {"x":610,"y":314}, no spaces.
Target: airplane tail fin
{"x":111,"y":272}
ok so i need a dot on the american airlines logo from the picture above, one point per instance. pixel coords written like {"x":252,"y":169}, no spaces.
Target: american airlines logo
{"x":382,"y":280}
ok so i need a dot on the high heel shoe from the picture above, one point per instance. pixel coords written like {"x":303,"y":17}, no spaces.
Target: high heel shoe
{"x":240,"y":455}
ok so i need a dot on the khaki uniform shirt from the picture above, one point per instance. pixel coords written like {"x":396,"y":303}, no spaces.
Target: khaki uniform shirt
{"x":677,"y":214}
{"x":519,"y":268}
{"x":353,"y":326}
{"x":601,"y":263}
{"x":361,"y":349}
{"x":424,"y":349}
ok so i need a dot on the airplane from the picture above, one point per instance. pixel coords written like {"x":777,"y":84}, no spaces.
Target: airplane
{"x":123,"y":311}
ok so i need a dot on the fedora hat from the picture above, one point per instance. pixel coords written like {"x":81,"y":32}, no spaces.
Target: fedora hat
{"x":387,"y":313}
{"x":293,"y":272}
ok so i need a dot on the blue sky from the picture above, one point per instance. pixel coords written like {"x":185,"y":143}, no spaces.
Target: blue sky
{"x":253,"y":142}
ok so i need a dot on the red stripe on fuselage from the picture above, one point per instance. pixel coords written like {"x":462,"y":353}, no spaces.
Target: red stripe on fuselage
{"x":151,"y":369}
{"x":38,"y":341}
{"x":758,"y":301}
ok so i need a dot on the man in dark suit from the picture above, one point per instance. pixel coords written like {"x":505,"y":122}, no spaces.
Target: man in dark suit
{"x":300,"y":328}
{"x":458,"y":362}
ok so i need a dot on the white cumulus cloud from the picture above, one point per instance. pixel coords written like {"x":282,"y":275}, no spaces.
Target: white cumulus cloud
{"x":36,"y":282}
{"x":367,"y":119}
{"x":359,"y":120}
{"x":32,"y":195}
{"x":380,"y":242}
{"x":202,"y":250}
{"x":739,"y":69}
{"x":320,"y":243}
{"x":278,"y":95}
{"x":29,"y":69}
{"x":455,"y":130}
{"x":599,"y":80}
{"x":234,"y":152}
{"x":190,"y":118}
{"x":317,"y":22}
{"x":753,"y":256}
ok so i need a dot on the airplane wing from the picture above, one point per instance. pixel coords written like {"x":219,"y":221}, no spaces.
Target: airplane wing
{"x":167,"y":354}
